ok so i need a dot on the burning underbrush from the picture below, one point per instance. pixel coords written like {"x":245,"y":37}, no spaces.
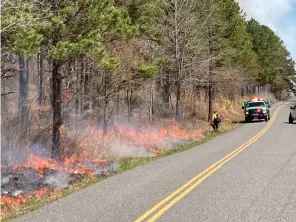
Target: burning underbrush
{"x":38,"y":177}
{"x":122,"y":140}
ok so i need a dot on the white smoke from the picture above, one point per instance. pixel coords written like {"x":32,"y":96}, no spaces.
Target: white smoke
{"x":58,"y":179}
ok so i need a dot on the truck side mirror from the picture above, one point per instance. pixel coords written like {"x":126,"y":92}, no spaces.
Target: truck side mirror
{"x":243,"y":107}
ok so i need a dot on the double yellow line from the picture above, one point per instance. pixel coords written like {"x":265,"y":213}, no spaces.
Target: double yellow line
{"x":195,"y":181}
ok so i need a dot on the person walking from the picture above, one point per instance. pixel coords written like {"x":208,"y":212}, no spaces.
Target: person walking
{"x":215,"y":121}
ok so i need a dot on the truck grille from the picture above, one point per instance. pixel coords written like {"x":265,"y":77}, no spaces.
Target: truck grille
{"x":252,"y":111}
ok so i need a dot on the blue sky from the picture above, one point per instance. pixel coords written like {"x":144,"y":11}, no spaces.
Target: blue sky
{"x":279,"y":15}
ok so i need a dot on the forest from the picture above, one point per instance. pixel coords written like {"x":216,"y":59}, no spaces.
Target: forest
{"x":91,"y":88}
{"x":67,"y":65}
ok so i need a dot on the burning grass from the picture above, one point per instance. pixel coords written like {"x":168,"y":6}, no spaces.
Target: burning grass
{"x":37,"y":177}
{"x":37,"y":181}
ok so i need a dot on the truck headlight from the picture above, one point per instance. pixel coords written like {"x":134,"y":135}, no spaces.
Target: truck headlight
{"x":264,"y":111}
{"x":247,"y":113}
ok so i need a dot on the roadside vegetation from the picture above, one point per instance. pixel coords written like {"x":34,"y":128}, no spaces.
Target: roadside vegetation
{"x":126,"y":81}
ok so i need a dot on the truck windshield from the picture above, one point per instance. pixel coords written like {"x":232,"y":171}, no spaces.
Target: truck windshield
{"x":256,"y":104}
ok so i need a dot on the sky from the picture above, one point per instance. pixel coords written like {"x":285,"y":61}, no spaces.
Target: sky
{"x":279,"y":15}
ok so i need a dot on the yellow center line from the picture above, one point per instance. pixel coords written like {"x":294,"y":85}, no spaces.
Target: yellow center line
{"x":202,"y":176}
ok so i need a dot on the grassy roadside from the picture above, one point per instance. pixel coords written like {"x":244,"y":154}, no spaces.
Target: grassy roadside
{"x":125,"y":164}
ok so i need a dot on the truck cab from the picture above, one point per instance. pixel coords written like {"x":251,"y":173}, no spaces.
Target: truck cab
{"x":292,"y":115}
{"x":256,"y":108}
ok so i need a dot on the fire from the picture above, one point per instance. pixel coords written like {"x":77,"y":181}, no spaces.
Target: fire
{"x":41,"y":192}
{"x":153,"y":140}
{"x":70,"y":160}
{"x":12,"y":202}
{"x":8,"y":203}
{"x":38,"y":163}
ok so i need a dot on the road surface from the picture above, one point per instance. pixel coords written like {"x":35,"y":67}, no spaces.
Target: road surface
{"x":258,"y":184}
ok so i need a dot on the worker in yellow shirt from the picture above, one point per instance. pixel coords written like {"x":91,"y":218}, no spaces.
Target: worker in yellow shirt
{"x":215,"y":120}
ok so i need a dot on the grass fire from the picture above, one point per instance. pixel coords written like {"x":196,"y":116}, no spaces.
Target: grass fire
{"x":97,"y":155}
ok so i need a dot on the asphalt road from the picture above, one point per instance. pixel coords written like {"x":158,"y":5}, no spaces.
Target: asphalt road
{"x":259,"y":184}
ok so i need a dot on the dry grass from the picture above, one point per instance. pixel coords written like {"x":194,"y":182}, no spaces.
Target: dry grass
{"x":84,"y":135}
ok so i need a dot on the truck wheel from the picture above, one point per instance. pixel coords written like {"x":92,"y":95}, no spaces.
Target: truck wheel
{"x":291,"y":119}
{"x":247,"y":120}
{"x":268,"y":116}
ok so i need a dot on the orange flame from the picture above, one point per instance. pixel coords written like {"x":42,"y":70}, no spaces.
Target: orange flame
{"x":152,"y":139}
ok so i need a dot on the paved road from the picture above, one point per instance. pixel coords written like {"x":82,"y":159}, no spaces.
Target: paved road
{"x":257,"y":185}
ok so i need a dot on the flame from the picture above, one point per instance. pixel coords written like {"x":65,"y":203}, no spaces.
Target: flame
{"x":136,"y":137}
{"x":8,"y":203}
{"x":41,"y":192}
{"x":152,"y":139}
{"x":12,"y":201}
{"x":37,"y":163}
{"x":70,"y":160}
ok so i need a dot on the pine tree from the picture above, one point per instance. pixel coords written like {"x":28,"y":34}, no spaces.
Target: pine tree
{"x":72,"y":29}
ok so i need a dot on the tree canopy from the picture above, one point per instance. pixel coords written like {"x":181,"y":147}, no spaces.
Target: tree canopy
{"x":107,"y":49}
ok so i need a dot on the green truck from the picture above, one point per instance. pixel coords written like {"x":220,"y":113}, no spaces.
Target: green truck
{"x":256,"y":108}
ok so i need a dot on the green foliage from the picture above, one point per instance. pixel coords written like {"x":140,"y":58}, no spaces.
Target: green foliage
{"x":65,"y":30}
{"x":110,"y":64}
{"x":146,"y":15}
{"x":161,"y":62}
{"x":232,"y":38}
{"x":25,"y":42}
{"x":277,"y":66}
{"x":149,"y":71}
{"x":17,"y":28}
{"x":76,"y":35}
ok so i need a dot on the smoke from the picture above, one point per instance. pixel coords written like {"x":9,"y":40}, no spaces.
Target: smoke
{"x":58,"y":180}
{"x":124,"y":150}
{"x":129,"y":139}
{"x":27,"y":170}
{"x":19,"y":153}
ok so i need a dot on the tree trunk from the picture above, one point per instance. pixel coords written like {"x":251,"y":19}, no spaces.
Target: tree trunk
{"x":96,"y":102}
{"x":77,"y":82}
{"x":41,"y":79}
{"x":194,"y":100}
{"x":117,"y":103}
{"x":151,"y":105}
{"x":258,"y":89}
{"x":129,"y":104}
{"x":178,"y":99}
{"x":57,"y":111}
{"x":81,"y":87}
{"x":23,"y":92}
{"x":166,"y":92}
{"x":86,"y":89}
{"x":105,"y":103}
{"x":210,"y":89}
